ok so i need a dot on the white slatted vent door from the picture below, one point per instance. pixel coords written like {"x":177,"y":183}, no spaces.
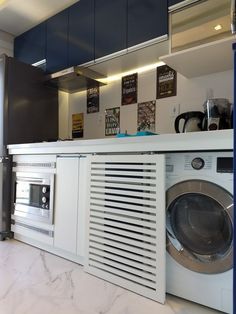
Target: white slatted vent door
{"x":126,"y":222}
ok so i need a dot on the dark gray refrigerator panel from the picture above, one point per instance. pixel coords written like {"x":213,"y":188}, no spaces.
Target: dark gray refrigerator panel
{"x":30,"y":107}
{"x":28,"y":113}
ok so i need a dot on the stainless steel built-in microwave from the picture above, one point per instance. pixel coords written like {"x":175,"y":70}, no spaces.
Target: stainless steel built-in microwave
{"x":197,"y":22}
{"x":33,"y":196}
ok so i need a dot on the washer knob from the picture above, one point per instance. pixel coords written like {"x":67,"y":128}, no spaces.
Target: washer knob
{"x":198,"y":163}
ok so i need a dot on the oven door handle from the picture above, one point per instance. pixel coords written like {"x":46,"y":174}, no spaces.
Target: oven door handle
{"x":20,"y":179}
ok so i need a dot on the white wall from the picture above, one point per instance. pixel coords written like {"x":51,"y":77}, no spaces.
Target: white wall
{"x":191,"y":93}
{"x":6,"y":43}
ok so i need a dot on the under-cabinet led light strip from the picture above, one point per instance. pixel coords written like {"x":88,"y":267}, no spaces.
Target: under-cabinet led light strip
{"x":143,"y":69}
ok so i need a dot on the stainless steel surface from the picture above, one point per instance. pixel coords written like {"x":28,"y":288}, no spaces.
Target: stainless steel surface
{"x":183,"y":4}
{"x":193,"y":23}
{"x":22,"y":207}
{"x":148,"y":43}
{"x":75,"y":79}
{"x":209,"y":264}
{"x":37,"y":229}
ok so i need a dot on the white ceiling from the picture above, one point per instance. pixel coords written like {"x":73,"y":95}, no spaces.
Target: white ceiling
{"x":17,"y":16}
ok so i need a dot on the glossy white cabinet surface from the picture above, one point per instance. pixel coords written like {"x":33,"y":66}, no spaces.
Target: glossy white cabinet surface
{"x":66,"y":203}
{"x":70,"y":206}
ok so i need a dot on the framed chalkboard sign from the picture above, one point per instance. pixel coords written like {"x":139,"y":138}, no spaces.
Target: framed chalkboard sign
{"x":129,"y":89}
{"x":166,"y":82}
{"x":93,"y":99}
{"x":112,"y":121}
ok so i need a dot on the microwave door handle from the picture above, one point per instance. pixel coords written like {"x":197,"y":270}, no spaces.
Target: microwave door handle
{"x":30,"y":181}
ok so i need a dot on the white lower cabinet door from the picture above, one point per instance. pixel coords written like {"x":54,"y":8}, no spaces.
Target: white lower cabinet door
{"x":66,"y":204}
{"x":126,"y":222}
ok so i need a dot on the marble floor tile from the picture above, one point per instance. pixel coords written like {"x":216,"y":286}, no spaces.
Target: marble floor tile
{"x":35,"y":282}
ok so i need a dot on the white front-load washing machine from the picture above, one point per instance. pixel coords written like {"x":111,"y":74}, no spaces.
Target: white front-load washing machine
{"x":199,"y":225}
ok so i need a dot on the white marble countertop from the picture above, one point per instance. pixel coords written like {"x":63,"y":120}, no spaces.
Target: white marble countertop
{"x":194,"y":141}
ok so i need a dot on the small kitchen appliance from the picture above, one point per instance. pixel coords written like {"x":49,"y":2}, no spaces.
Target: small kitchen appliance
{"x":218,"y":114}
{"x":191,"y":122}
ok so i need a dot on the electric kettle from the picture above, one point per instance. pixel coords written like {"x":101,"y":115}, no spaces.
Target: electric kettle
{"x":191,"y":121}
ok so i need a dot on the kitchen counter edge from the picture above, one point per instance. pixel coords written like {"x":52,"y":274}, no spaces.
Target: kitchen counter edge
{"x":194,"y":141}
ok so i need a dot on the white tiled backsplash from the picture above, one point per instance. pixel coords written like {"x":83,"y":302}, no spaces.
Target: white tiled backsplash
{"x":191,"y":93}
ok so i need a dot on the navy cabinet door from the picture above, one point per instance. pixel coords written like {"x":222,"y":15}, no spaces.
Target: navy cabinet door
{"x":81,"y":32}
{"x":110,"y":26}
{"x":29,"y":47}
{"x":56,"y":43}
{"x":172,"y":2}
{"x":147,"y":19}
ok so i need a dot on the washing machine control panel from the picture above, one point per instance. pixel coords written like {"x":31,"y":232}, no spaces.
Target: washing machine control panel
{"x":197,"y":163}
{"x":224,"y":164}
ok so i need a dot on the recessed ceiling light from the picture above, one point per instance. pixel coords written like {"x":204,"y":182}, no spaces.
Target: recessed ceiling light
{"x":218,"y":27}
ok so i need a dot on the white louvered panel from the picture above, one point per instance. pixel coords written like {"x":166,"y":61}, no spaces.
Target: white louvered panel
{"x":147,"y":216}
{"x":100,"y":190}
{"x":123,"y":166}
{"x":110,"y":173}
{"x":126,"y":222}
{"x":120,"y":252}
{"x":137,"y":200}
{"x":150,"y":189}
{"x":121,"y":218}
{"x":122,"y":232}
{"x":124,"y":243}
{"x":132,"y":180}
{"x":127,"y":206}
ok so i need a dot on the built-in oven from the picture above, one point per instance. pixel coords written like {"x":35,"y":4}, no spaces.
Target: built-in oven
{"x":33,"y":196}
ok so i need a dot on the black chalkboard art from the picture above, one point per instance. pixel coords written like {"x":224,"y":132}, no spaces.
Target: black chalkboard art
{"x":129,"y":89}
{"x":166,"y":82}
{"x":93,"y":99}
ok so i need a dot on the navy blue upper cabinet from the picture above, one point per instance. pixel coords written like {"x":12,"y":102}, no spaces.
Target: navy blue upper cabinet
{"x":110,"y":26}
{"x":172,"y":2}
{"x":81,"y":32}
{"x":56,"y":42}
{"x":147,"y":19}
{"x":29,"y":47}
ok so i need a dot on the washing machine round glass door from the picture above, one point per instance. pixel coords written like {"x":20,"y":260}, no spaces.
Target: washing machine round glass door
{"x":199,"y":225}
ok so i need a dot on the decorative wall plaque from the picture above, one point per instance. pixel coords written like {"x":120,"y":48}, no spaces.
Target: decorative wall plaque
{"x":147,"y":116}
{"x":77,"y":125}
{"x":112,"y":121}
{"x":166,"y":82}
{"x":129,"y":89}
{"x":93,"y":99}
